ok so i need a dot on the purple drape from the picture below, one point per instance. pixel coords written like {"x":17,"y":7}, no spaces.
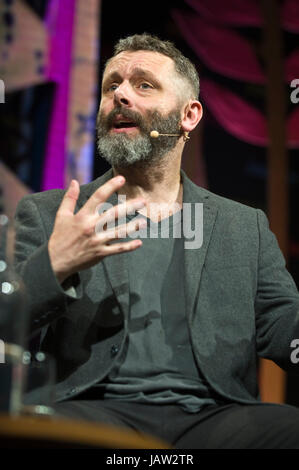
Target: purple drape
{"x":221,"y":49}
{"x":293,"y":129}
{"x":229,"y":12}
{"x":241,"y":119}
{"x":290,"y":15}
{"x":292,"y":66}
{"x":228,"y":109}
{"x":59,"y":20}
{"x":229,"y":53}
{"x":226,"y":51}
{"x":244,"y":12}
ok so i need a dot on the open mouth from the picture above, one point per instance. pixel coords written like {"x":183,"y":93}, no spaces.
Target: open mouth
{"x":124,"y":125}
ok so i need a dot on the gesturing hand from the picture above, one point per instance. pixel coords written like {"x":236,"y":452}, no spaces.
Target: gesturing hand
{"x":76,"y":243}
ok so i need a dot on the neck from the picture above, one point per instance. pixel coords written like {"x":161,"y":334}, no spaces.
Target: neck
{"x":157,"y":183}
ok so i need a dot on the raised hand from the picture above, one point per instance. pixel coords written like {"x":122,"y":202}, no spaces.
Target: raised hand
{"x":78,"y":242}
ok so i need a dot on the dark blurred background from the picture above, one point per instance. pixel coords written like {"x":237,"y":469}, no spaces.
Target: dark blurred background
{"x":246,"y":148}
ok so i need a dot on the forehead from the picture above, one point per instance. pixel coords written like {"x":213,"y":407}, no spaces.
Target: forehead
{"x":128,"y":61}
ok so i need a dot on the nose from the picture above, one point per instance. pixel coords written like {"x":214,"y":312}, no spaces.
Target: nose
{"x":121,"y":96}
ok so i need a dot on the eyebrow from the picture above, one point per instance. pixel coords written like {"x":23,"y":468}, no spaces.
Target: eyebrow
{"x":142,"y":73}
{"x":137,"y":73}
{"x":113,"y":76}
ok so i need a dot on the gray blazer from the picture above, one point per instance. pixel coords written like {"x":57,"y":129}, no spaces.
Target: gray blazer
{"x":241,"y":300}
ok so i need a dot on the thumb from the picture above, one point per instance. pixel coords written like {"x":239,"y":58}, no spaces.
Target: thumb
{"x":70,"y":198}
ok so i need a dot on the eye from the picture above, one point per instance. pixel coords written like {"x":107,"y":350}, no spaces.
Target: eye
{"x":112,"y":87}
{"x":145,"y":86}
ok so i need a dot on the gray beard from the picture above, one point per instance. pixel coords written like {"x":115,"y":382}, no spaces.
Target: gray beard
{"x":122,"y":150}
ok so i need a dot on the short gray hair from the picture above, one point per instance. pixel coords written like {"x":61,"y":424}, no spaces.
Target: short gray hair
{"x":147,"y":42}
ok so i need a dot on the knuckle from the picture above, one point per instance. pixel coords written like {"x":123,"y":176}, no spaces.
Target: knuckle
{"x":100,"y":252}
{"x":87,"y":230}
{"x":80,"y":217}
{"x":94,"y":243}
{"x":100,"y":239}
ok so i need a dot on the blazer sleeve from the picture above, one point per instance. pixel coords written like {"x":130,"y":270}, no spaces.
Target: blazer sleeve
{"x":47,"y":298}
{"x":277,"y":301}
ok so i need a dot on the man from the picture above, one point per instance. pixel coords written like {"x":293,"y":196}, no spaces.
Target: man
{"x":149,"y":332}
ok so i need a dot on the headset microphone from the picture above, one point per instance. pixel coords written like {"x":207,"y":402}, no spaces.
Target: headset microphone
{"x":156,"y":134}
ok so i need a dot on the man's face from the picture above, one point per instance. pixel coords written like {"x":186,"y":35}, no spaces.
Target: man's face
{"x":139,"y":94}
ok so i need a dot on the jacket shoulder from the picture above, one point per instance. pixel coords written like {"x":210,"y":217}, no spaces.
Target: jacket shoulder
{"x":51,"y":199}
{"x":222,"y":203}
{"x":229,"y":204}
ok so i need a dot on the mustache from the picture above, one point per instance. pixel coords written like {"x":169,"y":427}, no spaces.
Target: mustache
{"x":107,"y":121}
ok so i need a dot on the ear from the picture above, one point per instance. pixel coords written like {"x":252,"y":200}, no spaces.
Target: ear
{"x":192,"y":114}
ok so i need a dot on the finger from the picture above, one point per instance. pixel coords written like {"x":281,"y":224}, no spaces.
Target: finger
{"x":123,"y":247}
{"x":119,"y":211}
{"x":123,"y":230}
{"x":70,"y":198}
{"x":103,"y":193}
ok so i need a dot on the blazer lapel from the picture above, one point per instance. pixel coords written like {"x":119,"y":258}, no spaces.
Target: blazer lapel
{"x":194,"y":258}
